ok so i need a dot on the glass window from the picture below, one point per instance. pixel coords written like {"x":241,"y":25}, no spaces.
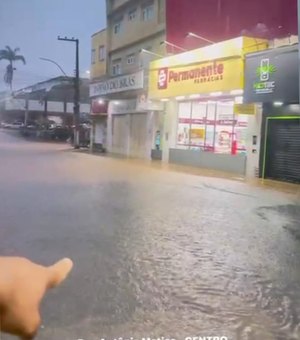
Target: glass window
{"x":148,"y":12}
{"x":225,"y":124}
{"x":116,"y":67}
{"x":117,"y":27}
{"x":210,"y":126}
{"x":241,"y":132}
{"x":197,"y":132}
{"x":184,"y":125}
{"x":102,"y":53}
{"x":131,"y":59}
{"x":93,"y":56}
{"x":132,"y":14}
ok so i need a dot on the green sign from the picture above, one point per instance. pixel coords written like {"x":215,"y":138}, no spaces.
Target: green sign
{"x":264,"y":72}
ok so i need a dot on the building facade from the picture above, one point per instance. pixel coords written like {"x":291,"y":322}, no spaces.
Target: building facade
{"x":272,"y":83}
{"x":205,"y":121}
{"x":98,"y":72}
{"x":48,"y":100}
{"x":135,"y":36}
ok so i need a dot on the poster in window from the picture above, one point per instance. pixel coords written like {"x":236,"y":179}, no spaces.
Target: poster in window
{"x":184,"y":124}
{"x":197,"y":133}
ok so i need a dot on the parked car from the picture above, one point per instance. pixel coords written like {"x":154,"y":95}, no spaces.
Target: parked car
{"x":59,"y":132}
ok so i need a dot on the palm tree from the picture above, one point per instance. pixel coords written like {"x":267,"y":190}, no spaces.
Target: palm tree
{"x":11,"y":56}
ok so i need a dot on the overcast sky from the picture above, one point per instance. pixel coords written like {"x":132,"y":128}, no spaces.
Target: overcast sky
{"x":33,"y":25}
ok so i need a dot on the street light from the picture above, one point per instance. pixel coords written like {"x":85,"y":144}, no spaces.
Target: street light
{"x":77,"y":90}
{"x":194,"y":35}
{"x":173,"y":45}
{"x":152,"y":53}
{"x":55,"y":63}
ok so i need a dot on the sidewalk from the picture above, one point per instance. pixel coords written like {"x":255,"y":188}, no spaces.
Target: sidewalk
{"x":289,"y":188}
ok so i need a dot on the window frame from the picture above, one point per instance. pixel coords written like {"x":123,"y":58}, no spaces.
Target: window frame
{"x":132,"y":57}
{"x":119,"y":25}
{"x":117,"y":63}
{"x":130,"y":12}
{"x":102,"y":56}
{"x":145,"y":10}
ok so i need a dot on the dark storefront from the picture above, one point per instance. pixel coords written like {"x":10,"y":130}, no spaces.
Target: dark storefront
{"x":272,"y":78}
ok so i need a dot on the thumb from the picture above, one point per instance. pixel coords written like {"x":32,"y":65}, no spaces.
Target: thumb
{"x":59,"y":272}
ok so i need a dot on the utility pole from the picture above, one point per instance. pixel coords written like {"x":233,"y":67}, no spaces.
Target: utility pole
{"x":76,"y":91}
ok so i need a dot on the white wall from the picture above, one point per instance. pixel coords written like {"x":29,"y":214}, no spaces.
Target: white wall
{"x":254,"y":129}
{"x":15,"y":104}
{"x":55,"y":106}
{"x":170,"y":127}
{"x":84,"y":108}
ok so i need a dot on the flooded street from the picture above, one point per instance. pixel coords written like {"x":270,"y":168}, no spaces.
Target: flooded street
{"x":157,"y":253}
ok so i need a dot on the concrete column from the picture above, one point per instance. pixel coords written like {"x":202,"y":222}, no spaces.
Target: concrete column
{"x":253,"y":150}
{"x":128,"y":124}
{"x":170,"y":129}
{"x":45,"y":109}
{"x":150,"y":133}
{"x":26,"y":117}
{"x":109,"y":132}
{"x":92,"y":135}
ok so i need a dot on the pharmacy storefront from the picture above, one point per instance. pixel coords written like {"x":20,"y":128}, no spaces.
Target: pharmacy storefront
{"x":206,"y":123}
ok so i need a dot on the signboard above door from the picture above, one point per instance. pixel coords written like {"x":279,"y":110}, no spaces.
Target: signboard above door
{"x":272,"y":75}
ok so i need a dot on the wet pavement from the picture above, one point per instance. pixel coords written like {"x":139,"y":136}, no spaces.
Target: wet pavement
{"x":157,"y":253}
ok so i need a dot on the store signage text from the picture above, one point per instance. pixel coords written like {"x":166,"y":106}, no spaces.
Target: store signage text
{"x":218,"y":75}
{"x":119,"y":84}
{"x":264,"y":72}
{"x":211,"y":72}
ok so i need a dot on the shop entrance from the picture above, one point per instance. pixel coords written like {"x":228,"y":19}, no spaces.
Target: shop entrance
{"x":282,"y":154}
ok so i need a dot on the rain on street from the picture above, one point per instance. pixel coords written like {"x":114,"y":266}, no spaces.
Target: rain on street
{"x":157,"y":253}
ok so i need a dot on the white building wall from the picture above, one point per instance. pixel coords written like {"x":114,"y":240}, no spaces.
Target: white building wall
{"x":253,"y":151}
{"x":170,"y":127}
{"x":55,"y":107}
{"x":15,"y":104}
{"x":84,"y":108}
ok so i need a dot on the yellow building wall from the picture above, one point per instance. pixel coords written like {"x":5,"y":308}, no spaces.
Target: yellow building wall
{"x":98,"y":67}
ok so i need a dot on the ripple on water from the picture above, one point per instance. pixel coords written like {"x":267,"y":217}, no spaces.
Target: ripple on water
{"x":178,"y":271}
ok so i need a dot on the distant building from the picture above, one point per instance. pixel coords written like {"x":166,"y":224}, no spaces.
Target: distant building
{"x":50,"y":99}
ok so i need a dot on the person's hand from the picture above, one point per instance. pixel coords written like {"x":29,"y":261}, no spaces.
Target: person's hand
{"x":23,"y":284}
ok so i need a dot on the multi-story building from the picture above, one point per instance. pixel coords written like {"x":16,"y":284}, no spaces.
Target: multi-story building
{"x":135,"y":35}
{"x":98,"y":72}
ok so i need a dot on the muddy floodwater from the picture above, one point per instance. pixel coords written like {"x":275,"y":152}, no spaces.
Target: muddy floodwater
{"x":157,"y":253}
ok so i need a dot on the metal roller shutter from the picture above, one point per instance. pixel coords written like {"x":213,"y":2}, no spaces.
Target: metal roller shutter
{"x":120,"y":135}
{"x":138,"y":135}
{"x":283,"y":150}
